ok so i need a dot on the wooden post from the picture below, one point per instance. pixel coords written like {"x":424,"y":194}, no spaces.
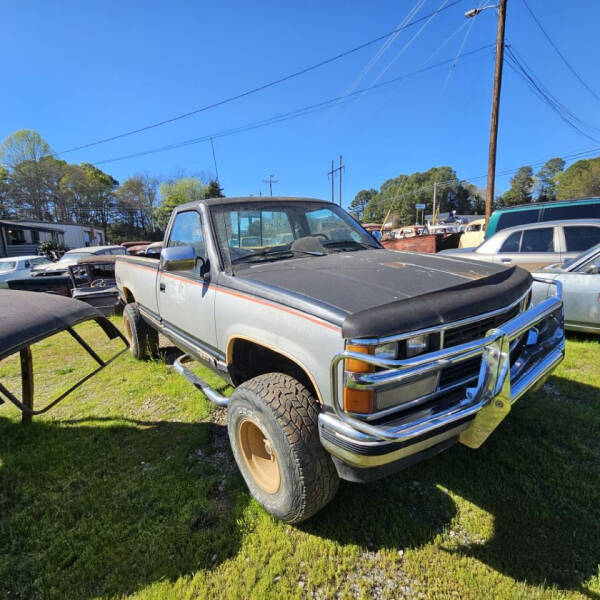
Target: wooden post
{"x":489,"y":196}
{"x":27,"y":382}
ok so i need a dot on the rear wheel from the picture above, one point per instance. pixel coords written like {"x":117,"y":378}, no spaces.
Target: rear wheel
{"x":272,"y":425}
{"x":143,"y":339}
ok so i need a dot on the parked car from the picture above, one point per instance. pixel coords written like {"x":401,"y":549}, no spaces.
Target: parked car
{"x":581,"y":208}
{"x":20,"y":266}
{"x":473,"y":234}
{"x":93,"y":281}
{"x":128,"y":245}
{"x":349,"y":361}
{"x":153,"y":250}
{"x":72,"y":256}
{"x":535,"y":245}
{"x":580,"y":279}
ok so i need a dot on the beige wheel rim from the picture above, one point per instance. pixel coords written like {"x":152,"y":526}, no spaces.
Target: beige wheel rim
{"x":127,"y":329}
{"x":259,"y":456}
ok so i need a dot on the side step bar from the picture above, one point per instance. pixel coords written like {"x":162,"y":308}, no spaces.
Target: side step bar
{"x":199,"y":383}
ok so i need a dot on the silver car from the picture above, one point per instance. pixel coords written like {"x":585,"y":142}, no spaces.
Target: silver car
{"x":535,"y":245}
{"x":580,"y":278}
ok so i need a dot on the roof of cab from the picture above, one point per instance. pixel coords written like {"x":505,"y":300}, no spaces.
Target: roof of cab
{"x":248,"y":199}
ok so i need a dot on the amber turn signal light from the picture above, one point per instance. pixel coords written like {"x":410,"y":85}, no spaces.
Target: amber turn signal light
{"x":358,"y":401}
{"x":354,"y":365}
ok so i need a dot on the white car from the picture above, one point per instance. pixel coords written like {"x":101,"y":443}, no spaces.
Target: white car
{"x":72,"y":256}
{"x":20,"y":266}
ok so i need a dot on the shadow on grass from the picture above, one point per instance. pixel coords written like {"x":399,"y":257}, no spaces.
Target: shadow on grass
{"x":538,"y":476}
{"x":103,"y":507}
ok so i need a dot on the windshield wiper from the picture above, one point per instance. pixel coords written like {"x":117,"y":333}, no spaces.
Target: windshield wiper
{"x":354,"y":243}
{"x":274,"y":255}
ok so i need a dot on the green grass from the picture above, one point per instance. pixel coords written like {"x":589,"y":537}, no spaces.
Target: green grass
{"x":128,"y":488}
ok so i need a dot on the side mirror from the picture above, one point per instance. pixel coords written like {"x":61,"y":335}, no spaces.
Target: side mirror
{"x":592,"y":270}
{"x":178,"y":258}
{"x":183,"y":258}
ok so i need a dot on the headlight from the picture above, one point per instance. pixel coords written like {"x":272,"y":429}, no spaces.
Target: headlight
{"x":417,"y":345}
{"x":388,"y":351}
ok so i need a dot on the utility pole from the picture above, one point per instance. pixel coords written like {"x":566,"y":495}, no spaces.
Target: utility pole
{"x":433,"y":217}
{"x":489,"y":196}
{"x":491,"y":176}
{"x":214,"y":160}
{"x":340,"y":169}
{"x":332,"y":175}
{"x":271,"y":181}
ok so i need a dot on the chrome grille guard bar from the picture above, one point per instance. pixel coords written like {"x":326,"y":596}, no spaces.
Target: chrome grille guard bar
{"x":494,"y":382}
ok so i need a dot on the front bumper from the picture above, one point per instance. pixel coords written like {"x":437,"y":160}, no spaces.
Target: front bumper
{"x":471,"y":416}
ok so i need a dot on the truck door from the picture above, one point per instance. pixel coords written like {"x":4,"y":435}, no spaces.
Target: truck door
{"x":185,"y":299}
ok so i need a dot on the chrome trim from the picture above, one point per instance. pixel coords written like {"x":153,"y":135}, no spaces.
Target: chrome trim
{"x":496,"y":381}
{"x":392,"y":410}
{"x":366,"y":461}
{"x":438,"y":328}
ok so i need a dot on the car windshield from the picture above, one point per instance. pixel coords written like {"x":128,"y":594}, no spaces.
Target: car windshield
{"x":8,"y":265}
{"x":73,"y":256}
{"x":259,"y":232}
{"x":571,"y":261}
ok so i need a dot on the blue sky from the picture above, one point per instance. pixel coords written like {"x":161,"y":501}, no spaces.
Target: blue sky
{"x":81,"y":71}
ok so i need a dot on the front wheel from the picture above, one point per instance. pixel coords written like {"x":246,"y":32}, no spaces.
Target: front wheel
{"x":272,"y":426}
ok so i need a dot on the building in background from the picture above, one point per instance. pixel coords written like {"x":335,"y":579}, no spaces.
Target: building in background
{"x":18,"y":238}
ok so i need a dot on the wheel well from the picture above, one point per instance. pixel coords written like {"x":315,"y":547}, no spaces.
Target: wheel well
{"x":128,"y":296}
{"x":249,"y":359}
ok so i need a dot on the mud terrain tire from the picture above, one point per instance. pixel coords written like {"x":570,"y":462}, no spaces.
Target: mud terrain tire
{"x":273,"y":431}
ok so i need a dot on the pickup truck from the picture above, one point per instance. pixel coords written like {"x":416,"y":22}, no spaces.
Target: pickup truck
{"x":348,"y":360}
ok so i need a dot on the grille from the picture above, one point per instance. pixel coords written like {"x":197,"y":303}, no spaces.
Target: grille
{"x":467,"y":368}
{"x":460,"y":335}
{"x":478,"y":329}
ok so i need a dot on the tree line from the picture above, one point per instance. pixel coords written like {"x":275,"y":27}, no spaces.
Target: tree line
{"x":36,"y":185}
{"x":399,"y":195}
{"x":553,"y":182}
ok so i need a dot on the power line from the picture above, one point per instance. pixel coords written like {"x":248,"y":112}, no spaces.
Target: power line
{"x":373,"y":61}
{"x":261,"y":87}
{"x":448,"y":182}
{"x":429,"y":187}
{"x":562,"y":57}
{"x":459,"y":53}
{"x":519,"y":66}
{"x":287,"y":115}
{"x":409,"y":43}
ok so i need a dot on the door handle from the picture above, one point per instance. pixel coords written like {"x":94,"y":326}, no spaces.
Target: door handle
{"x":162,"y":287}
{"x":506,"y":260}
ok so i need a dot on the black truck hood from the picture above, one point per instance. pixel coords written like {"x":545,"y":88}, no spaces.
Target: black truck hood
{"x":383,"y":292}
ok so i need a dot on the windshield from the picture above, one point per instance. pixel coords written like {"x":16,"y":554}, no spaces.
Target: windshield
{"x":588,"y":253}
{"x":250,"y":233}
{"x":9,"y":265}
{"x":73,"y":256}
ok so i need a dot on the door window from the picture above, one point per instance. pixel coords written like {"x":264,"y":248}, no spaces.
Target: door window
{"x":187,"y":231}
{"x":572,"y":211}
{"x":580,"y":238}
{"x":538,"y":240}
{"x":511,"y":244}
{"x":512,"y":218}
